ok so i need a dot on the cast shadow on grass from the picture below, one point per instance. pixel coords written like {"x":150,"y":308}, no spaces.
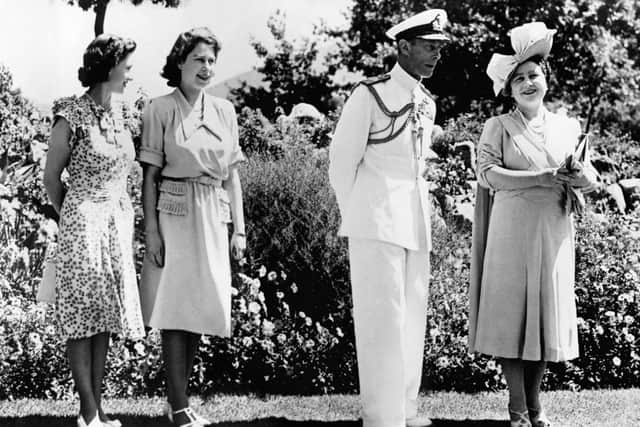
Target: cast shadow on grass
{"x":282,"y":422}
{"x":145,"y":421}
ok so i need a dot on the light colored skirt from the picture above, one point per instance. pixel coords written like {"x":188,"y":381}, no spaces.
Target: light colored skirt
{"x":192,"y":292}
{"x":527,"y":304}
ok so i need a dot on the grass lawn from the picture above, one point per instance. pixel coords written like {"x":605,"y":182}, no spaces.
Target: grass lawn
{"x":587,"y":408}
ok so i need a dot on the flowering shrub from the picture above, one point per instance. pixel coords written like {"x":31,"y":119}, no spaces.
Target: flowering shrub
{"x":276,"y":346}
{"x":608,"y":300}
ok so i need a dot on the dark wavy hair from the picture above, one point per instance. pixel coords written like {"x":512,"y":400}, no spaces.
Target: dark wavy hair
{"x":103,"y":53}
{"x":185,"y":43}
{"x":538,"y":59}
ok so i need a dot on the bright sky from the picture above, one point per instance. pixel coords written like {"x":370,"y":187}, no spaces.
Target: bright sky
{"x":42,"y":41}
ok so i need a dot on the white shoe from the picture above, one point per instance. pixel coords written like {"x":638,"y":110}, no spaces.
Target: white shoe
{"x":112,"y":423}
{"x":198,"y":417}
{"x":419,"y":421}
{"x":95,"y":422}
{"x":193,"y":421}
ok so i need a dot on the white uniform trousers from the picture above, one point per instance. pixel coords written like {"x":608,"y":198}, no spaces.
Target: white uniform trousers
{"x":390,"y":286}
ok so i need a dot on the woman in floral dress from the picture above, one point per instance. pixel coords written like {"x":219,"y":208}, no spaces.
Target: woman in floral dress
{"x":96,"y":289}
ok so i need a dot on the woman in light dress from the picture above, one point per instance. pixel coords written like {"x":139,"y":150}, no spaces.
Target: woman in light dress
{"x":190,"y":153}
{"x":96,"y":287}
{"x":522,"y":287}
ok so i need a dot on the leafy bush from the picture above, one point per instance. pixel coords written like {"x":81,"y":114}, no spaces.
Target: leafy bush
{"x":292,"y":222}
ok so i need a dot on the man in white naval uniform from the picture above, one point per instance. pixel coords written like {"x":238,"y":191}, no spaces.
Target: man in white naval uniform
{"x":377,"y":159}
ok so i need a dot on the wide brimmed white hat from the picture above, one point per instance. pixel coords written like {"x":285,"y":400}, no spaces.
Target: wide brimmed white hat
{"x":527,"y":40}
{"x":428,"y":25}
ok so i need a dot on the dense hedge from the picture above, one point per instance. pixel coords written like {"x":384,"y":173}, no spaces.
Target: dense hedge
{"x":292,"y":330}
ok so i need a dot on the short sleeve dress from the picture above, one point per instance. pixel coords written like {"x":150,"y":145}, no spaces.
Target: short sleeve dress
{"x":195,"y":146}
{"x":525,"y":301}
{"x":96,"y":286}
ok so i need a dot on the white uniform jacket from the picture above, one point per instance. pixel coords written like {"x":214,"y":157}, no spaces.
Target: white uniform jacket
{"x":379,"y":186}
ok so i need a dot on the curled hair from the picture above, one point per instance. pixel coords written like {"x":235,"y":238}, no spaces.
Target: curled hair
{"x":185,"y":43}
{"x":544,"y":65}
{"x":101,"y":56}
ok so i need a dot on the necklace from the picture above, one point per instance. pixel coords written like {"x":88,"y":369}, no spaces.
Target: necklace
{"x":536,"y":126}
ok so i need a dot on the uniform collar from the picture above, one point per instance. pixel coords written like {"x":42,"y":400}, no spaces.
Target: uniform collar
{"x":405,"y":79}
{"x":201,"y":114}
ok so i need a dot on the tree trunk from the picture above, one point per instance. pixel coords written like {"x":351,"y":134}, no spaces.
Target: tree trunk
{"x":101,"y":10}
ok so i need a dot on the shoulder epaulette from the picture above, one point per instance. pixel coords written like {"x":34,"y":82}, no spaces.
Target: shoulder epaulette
{"x":377,"y":79}
{"x":371,"y":81}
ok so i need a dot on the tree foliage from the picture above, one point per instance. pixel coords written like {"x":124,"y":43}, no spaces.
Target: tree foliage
{"x":294,"y":72}
{"x":99,"y":7}
{"x":594,"y":60}
{"x":23,"y":138}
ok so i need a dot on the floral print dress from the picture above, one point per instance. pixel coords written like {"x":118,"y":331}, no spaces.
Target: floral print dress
{"x":96,"y":288}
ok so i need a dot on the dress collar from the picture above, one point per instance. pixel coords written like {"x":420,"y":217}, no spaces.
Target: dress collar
{"x":406,"y":80}
{"x":193,"y":117}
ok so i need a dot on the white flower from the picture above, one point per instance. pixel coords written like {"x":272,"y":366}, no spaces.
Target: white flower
{"x":294,"y":288}
{"x":255,"y":287}
{"x":279,"y":295}
{"x":282,"y":338}
{"x":616,"y":361}
{"x":339,"y":332}
{"x":254,"y":307}
{"x":139,"y":348}
{"x":267,"y":328}
{"x":247,"y":341}
{"x":34,"y":337}
{"x":49,"y":228}
{"x":301,"y":314}
{"x":262,"y":271}
{"x":442,"y":362}
{"x":308,"y":321}
{"x":283,"y":275}
{"x":242,"y":305}
{"x":245,"y":279}
{"x":272,"y":276}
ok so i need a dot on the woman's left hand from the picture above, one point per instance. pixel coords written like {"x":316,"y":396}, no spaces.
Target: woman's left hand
{"x":572,"y":175}
{"x":238,"y":246}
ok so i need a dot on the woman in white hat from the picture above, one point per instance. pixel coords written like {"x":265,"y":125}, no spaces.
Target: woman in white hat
{"x":522,"y":304}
